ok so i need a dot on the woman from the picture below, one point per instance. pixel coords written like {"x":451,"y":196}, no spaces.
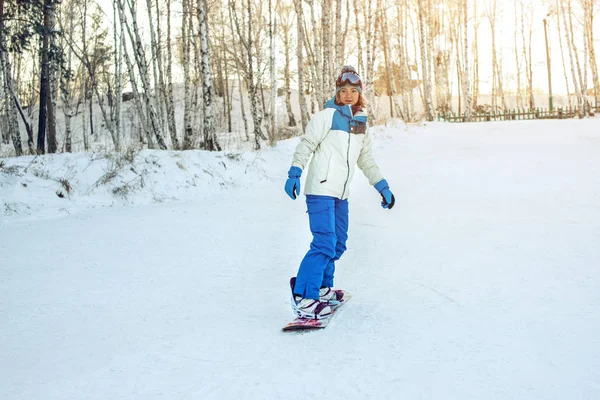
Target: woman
{"x":338,"y":139}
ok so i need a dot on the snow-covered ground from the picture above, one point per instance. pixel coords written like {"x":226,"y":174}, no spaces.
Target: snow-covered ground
{"x":165,"y":274}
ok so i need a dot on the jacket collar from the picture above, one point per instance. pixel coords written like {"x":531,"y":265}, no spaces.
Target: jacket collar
{"x":346,"y":111}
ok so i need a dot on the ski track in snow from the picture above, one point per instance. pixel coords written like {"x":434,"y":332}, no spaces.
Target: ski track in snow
{"x":482,"y":282}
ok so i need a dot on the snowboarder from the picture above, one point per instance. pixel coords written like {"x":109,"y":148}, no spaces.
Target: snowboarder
{"x":338,"y":138}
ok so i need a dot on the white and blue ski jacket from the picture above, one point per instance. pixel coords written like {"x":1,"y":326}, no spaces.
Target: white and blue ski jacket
{"x":338,"y":141}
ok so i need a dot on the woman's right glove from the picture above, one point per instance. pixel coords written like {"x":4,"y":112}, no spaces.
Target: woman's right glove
{"x":292,"y":185}
{"x":387,"y":197}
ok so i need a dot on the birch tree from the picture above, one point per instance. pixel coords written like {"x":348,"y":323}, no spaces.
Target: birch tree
{"x":339,"y":39}
{"x":475,"y":56}
{"x":142,"y":65}
{"x":118,"y":78}
{"x":272,"y":73}
{"x":66,"y":78}
{"x":304,"y":117}
{"x":528,"y":58}
{"x":588,"y":10}
{"x":405,"y":66}
{"x":316,"y":63}
{"x":497,"y":85}
{"x":10,"y":100}
{"x":45,"y":91}
{"x":518,"y":63}
{"x":154,"y":61}
{"x":169,"y":101}
{"x":286,"y":23}
{"x":562,"y":51}
{"x":328,"y":53}
{"x":572,"y":50}
{"x":427,"y":103}
{"x":466,"y":81}
{"x":368,"y":11}
{"x":188,"y":131}
{"x":246,"y":39}
{"x":390,"y":75}
{"x":209,"y":141}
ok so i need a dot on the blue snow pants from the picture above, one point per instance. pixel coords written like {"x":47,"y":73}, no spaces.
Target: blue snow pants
{"x":328,"y":217}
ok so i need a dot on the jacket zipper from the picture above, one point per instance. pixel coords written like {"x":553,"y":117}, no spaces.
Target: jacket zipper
{"x":348,"y":156}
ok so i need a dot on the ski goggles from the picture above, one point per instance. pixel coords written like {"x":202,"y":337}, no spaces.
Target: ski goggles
{"x":348,"y":78}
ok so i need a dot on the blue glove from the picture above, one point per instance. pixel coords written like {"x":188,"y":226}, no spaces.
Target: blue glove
{"x":292,"y":185}
{"x":387,"y":197}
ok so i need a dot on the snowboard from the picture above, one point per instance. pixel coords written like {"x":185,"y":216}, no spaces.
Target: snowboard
{"x":307,"y":324}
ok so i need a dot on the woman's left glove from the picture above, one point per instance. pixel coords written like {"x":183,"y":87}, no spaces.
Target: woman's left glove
{"x":292,"y":185}
{"x":387,"y":197}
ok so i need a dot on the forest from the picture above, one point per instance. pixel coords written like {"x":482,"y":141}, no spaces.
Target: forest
{"x":186,"y":74}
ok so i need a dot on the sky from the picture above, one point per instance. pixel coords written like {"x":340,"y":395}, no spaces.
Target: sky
{"x":167,"y":277}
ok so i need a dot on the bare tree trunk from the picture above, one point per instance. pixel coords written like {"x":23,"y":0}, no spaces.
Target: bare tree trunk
{"x":45,"y":78}
{"x":572,"y":49}
{"x":12,"y":120}
{"x":409,"y":68}
{"x":583,"y":103}
{"x":155,"y":62}
{"x":496,"y":64}
{"x":188,"y":132}
{"x":328,"y":54}
{"x":317,"y":62}
{"x":53,"y":66}
{"x":528,"y":59}
{"x":237,"y":55}
{"x":84,"y":85}
{"x":562,"y":52}
{"x":65,"y":87}
{"x":437,"y":66}
{"x":244,"y":118}
{"x":137,"y":98}
{"x":256,"y":114}
{"x":273,"y":75}
{"x":589,"y":11}
{"x":300,"y":56}
{"x":584,"y":82}
{"x":142,"y":65}
{"x":369,"y":73}
{"x":118,"y":60}
{"x":223,"y":66}
{"x":466,"y":80}
{"x":210,"y":141}
{"x":444,"y":64}
{"x":315,"y":90}
{"x":286,"y":26}
{"x":163,"y":100}
{"x":380,"y":21}
{"x":169,"y":90}
{"x":427,"y":103}
{"x":246,"y":39}
{"x":517,"y":58}
{"x":228,"y":92}
{"x":475,"y":57}
{"x":12,"y":105}
{"x":357,"y":11}
{"x":339,"y":39}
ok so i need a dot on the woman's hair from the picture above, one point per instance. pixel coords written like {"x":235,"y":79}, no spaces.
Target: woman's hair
{"x":362,"y":102}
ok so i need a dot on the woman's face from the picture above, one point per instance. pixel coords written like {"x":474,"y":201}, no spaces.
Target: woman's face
{"x":349,"y":95}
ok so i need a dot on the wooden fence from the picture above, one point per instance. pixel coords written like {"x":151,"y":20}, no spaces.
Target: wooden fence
{"x":517,"y":114}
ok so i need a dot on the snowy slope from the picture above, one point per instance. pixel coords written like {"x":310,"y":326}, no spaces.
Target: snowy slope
{"x":482,"y":284}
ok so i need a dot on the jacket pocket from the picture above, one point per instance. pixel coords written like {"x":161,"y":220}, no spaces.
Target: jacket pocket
{"x":325,"y":172}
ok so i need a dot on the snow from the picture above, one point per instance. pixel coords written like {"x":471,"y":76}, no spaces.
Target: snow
{"x":482,"y":282}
